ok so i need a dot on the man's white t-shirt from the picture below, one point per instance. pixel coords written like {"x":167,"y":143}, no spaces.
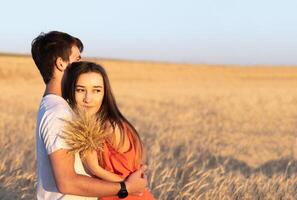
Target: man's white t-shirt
{"x":49,"y":128}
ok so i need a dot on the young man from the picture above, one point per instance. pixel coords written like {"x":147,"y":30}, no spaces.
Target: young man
{"x":61,"y":174}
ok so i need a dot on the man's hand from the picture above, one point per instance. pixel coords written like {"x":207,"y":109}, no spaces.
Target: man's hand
{"x":137,"y":182}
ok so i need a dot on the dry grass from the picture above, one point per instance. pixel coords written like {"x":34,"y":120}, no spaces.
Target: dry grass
{"x":211,"y":132}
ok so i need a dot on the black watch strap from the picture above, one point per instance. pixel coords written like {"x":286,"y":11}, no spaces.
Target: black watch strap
{"x":123,"y":193}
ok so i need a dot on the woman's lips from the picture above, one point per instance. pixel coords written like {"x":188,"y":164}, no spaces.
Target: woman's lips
{"x":88,"y":106}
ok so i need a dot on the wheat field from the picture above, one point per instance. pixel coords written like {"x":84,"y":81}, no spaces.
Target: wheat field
{"x":211,"y":132}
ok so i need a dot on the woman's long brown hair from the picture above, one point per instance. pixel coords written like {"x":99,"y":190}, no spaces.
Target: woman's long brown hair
{"x":109,"y":112}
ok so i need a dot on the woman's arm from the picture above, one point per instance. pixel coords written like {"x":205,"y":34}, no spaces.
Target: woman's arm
{"x":90,"y":161}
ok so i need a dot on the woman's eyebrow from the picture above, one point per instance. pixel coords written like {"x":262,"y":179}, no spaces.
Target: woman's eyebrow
{"x":96,"y":86}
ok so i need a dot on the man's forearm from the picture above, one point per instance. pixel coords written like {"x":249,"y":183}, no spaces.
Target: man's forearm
{"x":69,"y":182}
{"x":87,"y":186}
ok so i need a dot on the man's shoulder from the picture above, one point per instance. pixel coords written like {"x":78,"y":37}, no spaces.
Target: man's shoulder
{"x":55,"y":105}
{"x":53,"y":112}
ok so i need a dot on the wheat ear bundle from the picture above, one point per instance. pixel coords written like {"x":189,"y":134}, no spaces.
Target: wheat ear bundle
{"x":84,"y":133}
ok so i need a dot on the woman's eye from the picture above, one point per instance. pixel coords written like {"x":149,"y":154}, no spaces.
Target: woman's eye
{"x":97,"y":91}
{"x":79,"y":90}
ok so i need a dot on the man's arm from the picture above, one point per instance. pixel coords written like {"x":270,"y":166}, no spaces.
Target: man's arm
{"x":69,"y":182}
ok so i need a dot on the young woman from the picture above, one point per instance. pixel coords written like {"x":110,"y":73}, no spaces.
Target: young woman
{"x":87,"y":89}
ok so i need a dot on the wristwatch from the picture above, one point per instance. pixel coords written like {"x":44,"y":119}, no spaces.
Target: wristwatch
{"x":123,"y":193}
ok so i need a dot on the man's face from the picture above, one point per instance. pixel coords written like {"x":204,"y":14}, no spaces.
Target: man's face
{"x":75,"y":55}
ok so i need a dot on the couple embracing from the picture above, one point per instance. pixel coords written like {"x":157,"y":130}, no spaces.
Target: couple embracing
{"x":116,"y":170}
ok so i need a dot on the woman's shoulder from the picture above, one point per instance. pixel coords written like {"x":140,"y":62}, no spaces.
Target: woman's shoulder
{"x":120,"y":140}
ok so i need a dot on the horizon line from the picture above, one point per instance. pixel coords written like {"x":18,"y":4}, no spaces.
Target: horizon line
{"x":13,"y":54}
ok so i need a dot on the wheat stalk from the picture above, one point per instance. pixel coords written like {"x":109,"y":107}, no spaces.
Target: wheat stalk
{"x":84,"y":133}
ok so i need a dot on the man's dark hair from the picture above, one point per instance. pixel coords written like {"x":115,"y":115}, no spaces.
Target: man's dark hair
{"x":47,"y":47}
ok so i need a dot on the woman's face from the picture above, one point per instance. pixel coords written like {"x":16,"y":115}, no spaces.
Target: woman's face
{"x":89,"y":92}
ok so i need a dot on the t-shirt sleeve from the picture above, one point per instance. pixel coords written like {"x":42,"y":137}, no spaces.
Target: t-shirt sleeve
{"x":53,"y":131}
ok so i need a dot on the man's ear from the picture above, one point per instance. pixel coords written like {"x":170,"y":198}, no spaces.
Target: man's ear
{"x":60,"y":64}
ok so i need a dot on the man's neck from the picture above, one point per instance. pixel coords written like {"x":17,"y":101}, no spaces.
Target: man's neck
{"x":53,"y":87}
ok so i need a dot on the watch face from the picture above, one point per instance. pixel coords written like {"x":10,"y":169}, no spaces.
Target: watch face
{"x":122,"y":194}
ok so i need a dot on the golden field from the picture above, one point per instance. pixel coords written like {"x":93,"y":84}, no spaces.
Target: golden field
{"x":211,"y":132}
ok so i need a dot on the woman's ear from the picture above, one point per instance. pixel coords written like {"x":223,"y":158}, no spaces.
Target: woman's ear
{"x":60,"y":64}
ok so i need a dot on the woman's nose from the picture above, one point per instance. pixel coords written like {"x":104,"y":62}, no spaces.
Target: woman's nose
{"x":87,"y":98}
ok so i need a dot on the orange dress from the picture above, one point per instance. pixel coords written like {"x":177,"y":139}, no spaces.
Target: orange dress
{"x":123,"y":165}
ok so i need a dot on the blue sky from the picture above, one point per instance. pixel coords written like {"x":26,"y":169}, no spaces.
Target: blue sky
{"x":188,"y":31}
